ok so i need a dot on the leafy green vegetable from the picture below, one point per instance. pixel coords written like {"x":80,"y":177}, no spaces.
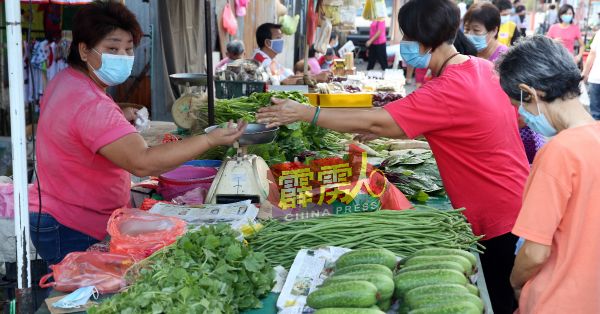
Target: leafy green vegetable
{"x":205,"y":271}
{"x":416,"y":175}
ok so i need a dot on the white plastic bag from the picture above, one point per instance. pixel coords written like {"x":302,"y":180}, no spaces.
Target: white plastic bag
{"x":142,"y":123}
{"x":323,"y":36}
{"x":347,"y":19}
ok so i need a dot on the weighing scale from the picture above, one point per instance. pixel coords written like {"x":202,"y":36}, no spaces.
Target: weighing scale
{"x":243,"y":176}
{"x":182,"y":115}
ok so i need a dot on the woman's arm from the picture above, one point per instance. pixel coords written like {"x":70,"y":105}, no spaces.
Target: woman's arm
{"x":372,"y":39}
{"x":529,"y":261}
{"x":581,"y":49}
{"x":378,"y":122}
{"x":588,"y":65}
{"x":133,"y":154}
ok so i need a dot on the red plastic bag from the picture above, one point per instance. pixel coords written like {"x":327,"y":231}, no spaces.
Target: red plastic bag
{"x":148,"y":203}
{"x":311,"y":20}
{"x":229,"y":22}
{"x":136,"y":232}
{"x":106,"y":271}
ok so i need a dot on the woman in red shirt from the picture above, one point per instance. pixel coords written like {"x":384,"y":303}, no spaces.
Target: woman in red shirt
{"x":86,"y":147}
{"x":469,"y":123}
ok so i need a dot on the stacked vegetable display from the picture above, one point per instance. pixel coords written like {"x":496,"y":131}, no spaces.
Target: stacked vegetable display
{"x":402,"y":232}
{"x":431,"y":281}
{"x":206,"y":271}
{"x":416,"y":175}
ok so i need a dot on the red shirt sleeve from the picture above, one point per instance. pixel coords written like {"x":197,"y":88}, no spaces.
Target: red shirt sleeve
{"x":422,"y":111}
{"x":100,"y":124}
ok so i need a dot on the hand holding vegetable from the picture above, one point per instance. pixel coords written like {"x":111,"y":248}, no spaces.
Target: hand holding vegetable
{"x":226,"y":136}
{"x":285,"y":111}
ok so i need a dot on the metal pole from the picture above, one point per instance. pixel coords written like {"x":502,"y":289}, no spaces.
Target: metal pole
{"x":209,"y":67}
{"x":17,"y":117}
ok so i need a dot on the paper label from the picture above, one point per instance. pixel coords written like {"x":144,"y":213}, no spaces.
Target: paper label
{"x":238,"y":177}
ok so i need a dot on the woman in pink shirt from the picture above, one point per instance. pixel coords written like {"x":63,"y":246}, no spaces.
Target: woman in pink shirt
{"x":376,"y":45}
{"x":87,"y":147}
{"x":313,"y":62}
{"x":566,"y":33}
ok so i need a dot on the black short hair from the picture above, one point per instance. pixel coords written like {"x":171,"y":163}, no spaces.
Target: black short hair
{"x":503,"y":5}
{"x":552,"y":7}
{"x":263,"y":33}
{"x":463,"y":45}
{"x":542,"y":63}
{"x":96,"y":20}
{"x":333,"y":36}
{"x":516,"y":1}
{"x":564,"y":10}
{"x":312,"y":51}
{"x":430,"y":22}
{"x":484,"y":13}
{"x":330,"y":52}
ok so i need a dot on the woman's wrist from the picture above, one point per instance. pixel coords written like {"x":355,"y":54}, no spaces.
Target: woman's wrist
{"x":309,"y":115}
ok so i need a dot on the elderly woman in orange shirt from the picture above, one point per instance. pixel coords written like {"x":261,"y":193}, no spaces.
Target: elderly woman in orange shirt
{"x":557,"y":268}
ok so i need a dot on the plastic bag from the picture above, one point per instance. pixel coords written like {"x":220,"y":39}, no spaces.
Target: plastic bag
{"x":105,"y":271}
{"x":135,"y":231}
{"x":289,"y":23}
{"x":142,"y":123}
{"x":347,"y":19}
{"x":229,"y":22}
{"x":369,"y":11}
{"x":240,"y":7}
{"x":332,"y":13}
{"x":312,"y":21}
{"x":193,"y":197}
{"x":148,"y":203}
{"x":323,"y":38}
{"x":380,"y":9}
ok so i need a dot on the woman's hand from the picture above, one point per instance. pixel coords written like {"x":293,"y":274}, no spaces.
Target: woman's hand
{"x":129,"y":114}
{"x":577,"y":58}
{"x":368,"y":43}
{"x":285,"y":111}
{"x":224,"y":137}
{"x":365,"y":137}
{"x":560,"y":40}
{"x":323,"y":77}
{"x":584,"y":76}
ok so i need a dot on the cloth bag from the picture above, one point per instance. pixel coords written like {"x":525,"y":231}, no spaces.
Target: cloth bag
{"x":142,"y":233}
{"x":229,"y":22}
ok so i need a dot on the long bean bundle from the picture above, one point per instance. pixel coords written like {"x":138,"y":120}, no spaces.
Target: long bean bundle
{"x":402,"y":232}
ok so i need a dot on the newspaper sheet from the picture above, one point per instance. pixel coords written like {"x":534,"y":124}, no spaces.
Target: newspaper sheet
{"x":236,"y":214}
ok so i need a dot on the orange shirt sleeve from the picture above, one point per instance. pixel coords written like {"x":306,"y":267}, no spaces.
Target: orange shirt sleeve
{"x":547,"y":193}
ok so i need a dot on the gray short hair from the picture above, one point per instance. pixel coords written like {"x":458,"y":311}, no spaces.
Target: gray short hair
{"x":235,"y":47}
{"x":541,"y":63}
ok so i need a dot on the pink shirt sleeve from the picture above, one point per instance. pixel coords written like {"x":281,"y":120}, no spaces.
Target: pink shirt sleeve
{"x":100,"y":124}
{"x":422,"y":111}
{"x":551,"y":31}
{"x":577,"y":32}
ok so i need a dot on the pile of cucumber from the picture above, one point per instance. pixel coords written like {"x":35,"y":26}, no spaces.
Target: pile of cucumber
{"x":431,"y":281}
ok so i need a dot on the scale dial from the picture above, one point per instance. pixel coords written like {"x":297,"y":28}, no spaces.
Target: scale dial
{"x":181,"y":111}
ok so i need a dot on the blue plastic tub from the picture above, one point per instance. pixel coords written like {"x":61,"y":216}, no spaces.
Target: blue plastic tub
{"x":204,"y":163}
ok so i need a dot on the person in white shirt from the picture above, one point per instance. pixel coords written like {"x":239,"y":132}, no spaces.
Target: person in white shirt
{"x":270,"y":42}
{"x":591,"y":73}
{"x":552,"y":16}
{"x":463,"y":9}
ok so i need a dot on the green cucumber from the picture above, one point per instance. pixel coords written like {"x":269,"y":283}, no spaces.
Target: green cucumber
{"x":403,"y":261}
{"x":452,"y":258}
{"x":435,"y":289}
{"x":437,"y":252}
{"x":473,"y":289}
{"x":375,"y":307}
{"x":347,"y":311}
{"x":384,"y":284}
{"x":413,"y":279}
{"x":347,"y":294}
{"x":462,"y":307}
{"x":431,"y":300}
{"x":362,"y":269}
{"x":384,"y":305}
{"x":434,"y":265}
{"x":367,"y":256}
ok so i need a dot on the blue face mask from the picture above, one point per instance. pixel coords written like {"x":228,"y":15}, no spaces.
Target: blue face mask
{"x":328,"y":62}
{"x":77,"y":298}
{"x":504,"y":19}
{"x":479,"y":41}
{"x":409,"y":50}
{"x":277,"y":45}
{"x":567,"y":18}
{"x":538,"y":123}
{"x":336,"y":44}
{"x":512,"y":10}
{"x":115,"y":68}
